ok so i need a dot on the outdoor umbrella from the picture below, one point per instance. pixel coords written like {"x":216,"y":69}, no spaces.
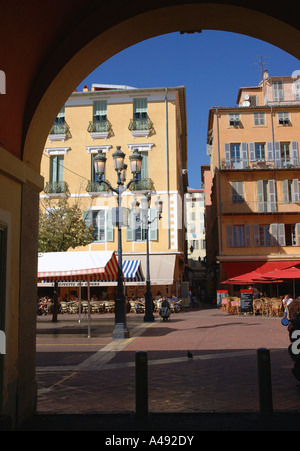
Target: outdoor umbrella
{"x":251,"y":277}
{"x":285,"y":274}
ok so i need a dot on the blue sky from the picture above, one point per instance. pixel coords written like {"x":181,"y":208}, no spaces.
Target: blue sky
{"x":211,"y":65}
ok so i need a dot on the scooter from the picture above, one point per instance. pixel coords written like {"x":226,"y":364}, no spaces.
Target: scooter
{"x":165,"y":313}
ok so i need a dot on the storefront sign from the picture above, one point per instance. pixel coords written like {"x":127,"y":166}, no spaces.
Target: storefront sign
{"x":220,"y":295}
{"x":247,"y":301}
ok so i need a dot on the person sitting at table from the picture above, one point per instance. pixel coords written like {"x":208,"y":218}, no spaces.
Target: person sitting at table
{"x":94,"y":298}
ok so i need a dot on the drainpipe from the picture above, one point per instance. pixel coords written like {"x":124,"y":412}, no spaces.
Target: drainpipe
{"x":219,"y":186}
{"x":275,"y":175}
{"x":167,"y":163}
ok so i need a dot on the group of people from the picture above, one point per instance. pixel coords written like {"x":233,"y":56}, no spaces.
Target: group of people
{"x":44,"y":305}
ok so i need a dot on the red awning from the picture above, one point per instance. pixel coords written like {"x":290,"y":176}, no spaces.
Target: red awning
{"x":234,"y":269}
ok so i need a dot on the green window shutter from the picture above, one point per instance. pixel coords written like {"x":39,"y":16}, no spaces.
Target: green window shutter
{"x":109,"y":226}
{"x":100,"y":108}
{"x":57,"y":169}
{"x":144,"y":168}
{"x":87,"y":217}
{"x":129,"y":230}
{"x":154,"y":225}
{"x":140,"y":106}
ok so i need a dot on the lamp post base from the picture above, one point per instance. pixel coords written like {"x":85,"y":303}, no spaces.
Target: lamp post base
{"x":120,"y":331}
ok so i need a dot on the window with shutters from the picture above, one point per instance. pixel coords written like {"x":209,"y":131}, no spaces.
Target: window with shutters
{"x":239,"y":235}
{"x":234,"y":120}
{"x":237,"y":192}
{"x":99,"y":127}
{"x":140,"y":110}
{"x":285,"y":153}
{"x":136,"y":229}
{"x":143,"y":175}
{"x":253,"y":100}
{"x":283,"y":118}
{"x":266,"y":196}
{"x":290,"y":191}
{"x":296,"y":89}
{"x":101,"y":220}
{"x":235,"y":154}
{"x":57,"y":169}
{"x":262,"y":236}
{"x":100,"y":111}
{"x":277,"y":234}
{"x":260,"y":151}
{"x":98,"y":222}
{"x":278,"y":94}
{"x":290,"y":235}
{"x":259,"y":118}
{"x":60,"y":129}
{"x":139,"y":229}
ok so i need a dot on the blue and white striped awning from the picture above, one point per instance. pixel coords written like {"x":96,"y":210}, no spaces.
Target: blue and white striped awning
{"x":132,"y":271}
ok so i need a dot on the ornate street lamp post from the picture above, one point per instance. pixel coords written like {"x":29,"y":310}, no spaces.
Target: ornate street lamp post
{"x":120,"y":330}
{"x":146,"y":222}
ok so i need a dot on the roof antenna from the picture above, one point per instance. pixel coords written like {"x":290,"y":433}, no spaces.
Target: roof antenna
{"x":261,"y":63}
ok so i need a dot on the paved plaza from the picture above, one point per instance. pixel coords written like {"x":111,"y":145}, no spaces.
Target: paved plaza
{"x":78,"y":375}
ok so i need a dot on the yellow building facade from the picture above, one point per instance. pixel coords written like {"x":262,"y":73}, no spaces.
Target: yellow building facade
{"x":153,"y":121}
{"x":254,"y":163}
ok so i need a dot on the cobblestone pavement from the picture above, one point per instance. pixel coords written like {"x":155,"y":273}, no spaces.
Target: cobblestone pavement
{"x":80,"y":375}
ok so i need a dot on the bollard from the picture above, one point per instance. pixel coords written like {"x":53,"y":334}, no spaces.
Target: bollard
{"x":264,"y":382}
{"x":141,"y":384}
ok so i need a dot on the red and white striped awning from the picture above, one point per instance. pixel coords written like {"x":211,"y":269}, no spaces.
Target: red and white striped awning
{"x":74,"y":266}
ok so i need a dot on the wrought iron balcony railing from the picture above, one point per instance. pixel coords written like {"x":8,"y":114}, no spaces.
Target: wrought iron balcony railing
{"x":56,"y":188}
{"x":237,"y":164}
{"x":59,"y":129}
{"x":140,"y":124}
{"x":95,"y":187}
{"x":142,"y":185}
{"x":99,"y":127}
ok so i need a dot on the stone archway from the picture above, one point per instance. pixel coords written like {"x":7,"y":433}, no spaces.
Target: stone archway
{"x":47,"y":48}
{"x":86,"y":56}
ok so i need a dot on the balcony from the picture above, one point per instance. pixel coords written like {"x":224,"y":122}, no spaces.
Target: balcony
{"x":258,"y":164}
{"x":59,"y":132}
{"x":99,"y":130}
{"x":142,"y":185}
{"x":56,"y":188}
{"x":140,"y":128}
{"x":255,"y":207}
{"x":96,"y":187}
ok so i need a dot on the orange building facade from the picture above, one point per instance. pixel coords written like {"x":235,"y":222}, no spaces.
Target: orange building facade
{"x":254,"y":165}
